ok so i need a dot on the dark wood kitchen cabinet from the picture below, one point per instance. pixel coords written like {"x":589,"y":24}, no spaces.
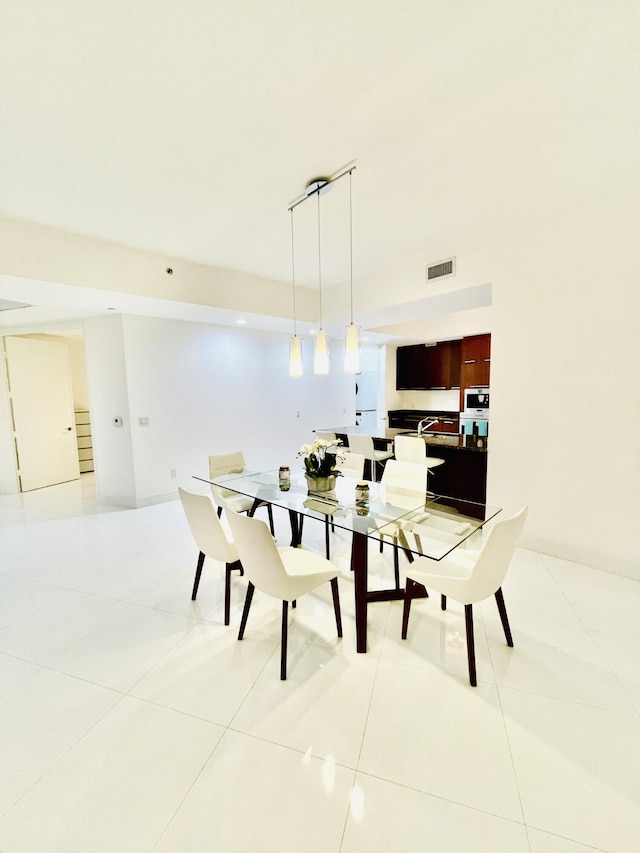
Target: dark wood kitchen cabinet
{"x":475,"y":357}
{"x":425,"y":368}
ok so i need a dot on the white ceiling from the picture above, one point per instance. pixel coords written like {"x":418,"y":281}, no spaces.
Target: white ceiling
{"x":187,"y":127}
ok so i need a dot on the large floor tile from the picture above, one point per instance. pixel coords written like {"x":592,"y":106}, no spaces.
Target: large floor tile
{"x":574,"y":772}
{"x":117,"y":788}
{"x":602,"y":601}
{"x":47,"y":632}
{"x":12,"y":671}
{"x":67,"y":563}
{"x":209,"y":673}
{"x":322,"y":706}
{"x":385,"y":817}
{"x":40,"y":720}
{"x":254,"y":795}
{"x":544,"y":842}
{"x":138,"y":578}
{"x":623,"y":657}
{"x":20,"y":596}
{"x":556,"y":661}
{"x":531,"y":592}
{"x":123,"y":649}
{"x":438,"y":734}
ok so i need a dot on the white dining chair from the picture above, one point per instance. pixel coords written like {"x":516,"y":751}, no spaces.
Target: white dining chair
{"x":283,"y":573}
{"x":469,"y":576}
{"x":326,"y":436}
{"x":405,"y":486}
{"x":351,"y":464}
{"x":363,"y":444}
{"x":233,"y":463}
{"x":409,"y":448}
{"x":211,"y":541}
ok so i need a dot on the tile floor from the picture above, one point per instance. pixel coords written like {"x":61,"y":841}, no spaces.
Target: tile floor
{"x":132,"y":720}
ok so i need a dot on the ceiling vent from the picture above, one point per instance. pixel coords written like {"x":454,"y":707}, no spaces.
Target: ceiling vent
{"x":442,"y":269}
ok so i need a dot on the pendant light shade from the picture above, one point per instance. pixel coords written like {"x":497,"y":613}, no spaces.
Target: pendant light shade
{"x":352,"y":349}
{"x":321,"y":355}
{"x":295,"y":357}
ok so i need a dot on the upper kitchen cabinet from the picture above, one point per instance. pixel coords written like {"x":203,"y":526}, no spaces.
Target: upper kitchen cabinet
{"x":475,"y":365}
{"x":426,"y":368}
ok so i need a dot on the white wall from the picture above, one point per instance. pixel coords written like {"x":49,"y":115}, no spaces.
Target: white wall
{"x":205,"y":389}
{"x":77,"y":365}
{"x":108,"y":398}
{"x":564,"y":363}
{"x":9,"y":483}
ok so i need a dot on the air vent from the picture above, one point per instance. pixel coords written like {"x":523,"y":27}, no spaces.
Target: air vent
{"x":442,"y":269}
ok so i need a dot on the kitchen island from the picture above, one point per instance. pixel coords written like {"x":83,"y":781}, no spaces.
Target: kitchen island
{"x":464,"y":473}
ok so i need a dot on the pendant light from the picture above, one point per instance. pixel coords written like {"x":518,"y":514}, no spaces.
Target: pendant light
{"x":321,"y":355}
{"x":352,"y":333}
{"x":295,"y":345}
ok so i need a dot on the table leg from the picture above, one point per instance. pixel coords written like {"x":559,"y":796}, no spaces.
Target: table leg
{"x":295,"y":520}
{"x":359,"y":568}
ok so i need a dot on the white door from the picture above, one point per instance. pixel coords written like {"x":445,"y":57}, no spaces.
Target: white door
{"x":43,"y":417}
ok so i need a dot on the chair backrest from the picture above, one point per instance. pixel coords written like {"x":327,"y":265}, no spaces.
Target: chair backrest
{"x":405,"y":483}
{"x":259,"y":555}
{"x":226,"y":463}
{"x":410,"y":449}
{"x":351,"y":464}
{"x":495,"y":556}
{"x":206,"y":528}
{"x":362,"y":444}
{"x":326,"y":436}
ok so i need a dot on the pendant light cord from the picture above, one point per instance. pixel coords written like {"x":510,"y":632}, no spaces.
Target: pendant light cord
{"x":351,"y":245}
{"x":293,"y":278}
{"x":319,"y":261}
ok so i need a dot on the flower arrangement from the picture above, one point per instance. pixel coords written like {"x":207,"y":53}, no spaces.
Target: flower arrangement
{"x":318,"y":461}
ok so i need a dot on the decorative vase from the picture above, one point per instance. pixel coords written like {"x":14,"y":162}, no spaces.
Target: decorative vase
{"x":320,"y":484}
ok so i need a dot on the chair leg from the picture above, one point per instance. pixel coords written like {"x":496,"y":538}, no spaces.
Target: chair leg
{"x":196,"y":582}
{"x":327,"y":546}
{"x":503,"y":616}
{"x":270,"y":514}
{"x":230,"y":567}
{"x":219,"y":511}
{"x":336,"y":605}
{"x":396,"y":565}
{"x":408,"y":594}
{"x":283,"y":641}
{"x":471,"y":653}
{"x":443,"y":602}
{"x":245,"y":611}
{"x":227,"y":593}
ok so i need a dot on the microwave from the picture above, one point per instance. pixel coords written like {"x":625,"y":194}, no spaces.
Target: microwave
{"x":476,"y":403}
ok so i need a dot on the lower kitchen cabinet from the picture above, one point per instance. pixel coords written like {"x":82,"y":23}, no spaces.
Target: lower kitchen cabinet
{"x":463,"y":474}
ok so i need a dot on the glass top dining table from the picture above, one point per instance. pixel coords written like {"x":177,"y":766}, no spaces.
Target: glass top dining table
{"x":431,"y":526}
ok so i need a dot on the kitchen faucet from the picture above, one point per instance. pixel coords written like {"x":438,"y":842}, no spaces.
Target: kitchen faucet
{"x":422,"y":428}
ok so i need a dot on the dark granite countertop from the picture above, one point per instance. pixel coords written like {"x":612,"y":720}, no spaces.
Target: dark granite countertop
{"x":440,"y":440}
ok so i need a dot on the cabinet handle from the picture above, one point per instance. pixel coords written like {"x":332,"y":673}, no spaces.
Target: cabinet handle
{"x":487,"y":359}
{"x":469,"y":361}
